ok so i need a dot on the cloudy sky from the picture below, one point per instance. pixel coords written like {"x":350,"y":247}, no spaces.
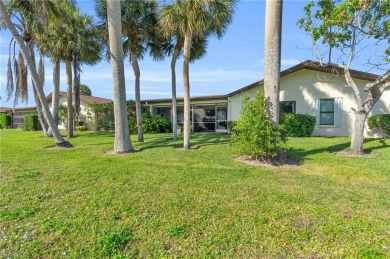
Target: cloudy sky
{"x":232,"y":62}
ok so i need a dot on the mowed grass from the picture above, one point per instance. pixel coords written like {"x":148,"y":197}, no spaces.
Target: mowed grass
{"x":167,"y":202}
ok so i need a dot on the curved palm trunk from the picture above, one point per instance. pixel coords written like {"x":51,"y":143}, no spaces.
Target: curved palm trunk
{"x":174,"y":102}
{"x":272,"y":45}
{"x":122,"y":137}
{"x":34,"y":75}
{"x":38,"y":105}
{"x":137,"y":90}
{"x":68,"y":65}
{"x":186,"y":90}
{"x":56,"y":90}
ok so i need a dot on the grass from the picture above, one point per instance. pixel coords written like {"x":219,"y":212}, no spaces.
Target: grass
{"x":167,"y":202}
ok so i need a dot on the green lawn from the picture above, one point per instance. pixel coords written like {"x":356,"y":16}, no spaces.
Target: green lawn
{"x":167,"y":202}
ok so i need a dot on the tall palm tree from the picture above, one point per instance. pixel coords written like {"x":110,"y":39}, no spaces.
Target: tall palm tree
{"x":196,"y":18}
{"x":33,"y":72}
{"x":75,"y":41}
{"x":140,"y":33}
{"x":122,"y":137}
{"x":27,"y":24}
{"x":272,"y":53}
{"x":175,"y":48}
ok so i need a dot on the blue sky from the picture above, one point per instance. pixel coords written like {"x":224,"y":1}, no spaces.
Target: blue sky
{"x":232,"y":62}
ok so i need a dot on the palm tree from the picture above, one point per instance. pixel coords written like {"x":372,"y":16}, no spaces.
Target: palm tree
{"x":191,"y":19}
{"x":272,"y":53}
{"x":140,"y":33}
{"x":175,"y":48}
{"x":32,"y":69}
{"x":74,"y":40}
{"x":122,"y":137}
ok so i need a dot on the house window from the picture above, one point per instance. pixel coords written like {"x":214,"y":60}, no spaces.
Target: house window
{"x":327,"y":111}
{"x":287,"y":106}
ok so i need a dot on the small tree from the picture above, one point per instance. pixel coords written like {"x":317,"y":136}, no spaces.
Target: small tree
{"x":254,"y":133}
{"x":349,"y":27}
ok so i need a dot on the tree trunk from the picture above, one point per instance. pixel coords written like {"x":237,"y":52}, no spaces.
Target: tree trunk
{"x":358,"y":134}
{"x":186,"y":88}
{"x":55,"y":100}
{"x":137,"y":90}
{"x":38,"y":105}
{"x":68,"y":66}
{"x":34,"y":75}
{"x":272,"y":53}
{"x":122,"y":142}
{"x":174,"y":101}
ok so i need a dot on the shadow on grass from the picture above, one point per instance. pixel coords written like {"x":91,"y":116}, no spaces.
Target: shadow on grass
{"x":301,"y":155}
{"x":196,"y":141}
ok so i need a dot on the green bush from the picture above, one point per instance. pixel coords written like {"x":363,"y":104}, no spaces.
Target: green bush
{"x":5,"y":121}
{"x":230,"y":125}
{"x":133,"y":124}
{"x":380,"y":122}
{"x":81,"y":128}
{"x":154,"y":123}
{"x":254,"y":133}
{"x":31,"y":122}
{"x":150,"y":124}
{"x":299,"y":125}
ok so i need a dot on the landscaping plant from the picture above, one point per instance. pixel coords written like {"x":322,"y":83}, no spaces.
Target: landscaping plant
{"x":254,"y":133}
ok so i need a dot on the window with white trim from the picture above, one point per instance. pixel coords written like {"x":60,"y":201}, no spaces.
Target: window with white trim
{"x":329,"y":111}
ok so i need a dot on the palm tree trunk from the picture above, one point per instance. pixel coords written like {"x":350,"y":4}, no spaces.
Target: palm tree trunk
{"x":272,"y":48}
{"x":34,"y":75}
{"x":122,"y":137}
{"x":137,"y":90}
{"x":186,"y":89}
{"x":56,"y":90}
{"x":38,"y":104}
{"x":174,"y":102}
{"x":68,"y":66}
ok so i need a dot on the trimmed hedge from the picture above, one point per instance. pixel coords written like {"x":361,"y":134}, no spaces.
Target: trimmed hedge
{"x":380,"y":122}
{"x":31,"y":122}
{"x":299,"y":125}
{"x":5,"y":121}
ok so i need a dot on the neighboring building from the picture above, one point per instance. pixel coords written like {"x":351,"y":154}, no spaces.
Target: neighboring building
{"x":306,"y":88}
{"x":18,"y":113}
{"x":85,"y":100}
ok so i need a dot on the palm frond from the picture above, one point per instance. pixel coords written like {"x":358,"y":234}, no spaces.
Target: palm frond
{"x":10,"y":78}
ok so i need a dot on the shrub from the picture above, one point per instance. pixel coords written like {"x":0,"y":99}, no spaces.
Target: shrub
{"x":81,"y":128}
{"x":254,"y":133}
{"x":230,"y":125}
{"x":299,"y":125}
{"x":5,"y":121}
{"x":380,"y":122}
{"x":31,"y":122}
{"x":150,"y":124}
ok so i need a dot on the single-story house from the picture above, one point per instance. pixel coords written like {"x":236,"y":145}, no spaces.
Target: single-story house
{"x":306,"y":88}
{"x":19,"y":112}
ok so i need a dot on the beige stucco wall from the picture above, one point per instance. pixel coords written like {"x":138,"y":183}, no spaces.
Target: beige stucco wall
{"x":305,"y":86}
{"x":83,"y":113}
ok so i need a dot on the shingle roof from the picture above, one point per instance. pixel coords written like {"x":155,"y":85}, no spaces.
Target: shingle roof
{"x":312,"y":65}
{"x":308,"y":64}
{"x":84,"y":98}
{"x":209,"y":97}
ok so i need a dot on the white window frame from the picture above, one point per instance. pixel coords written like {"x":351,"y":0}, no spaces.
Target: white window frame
{"x":338,"y":111}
